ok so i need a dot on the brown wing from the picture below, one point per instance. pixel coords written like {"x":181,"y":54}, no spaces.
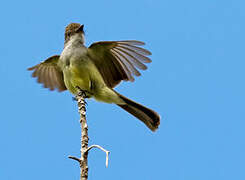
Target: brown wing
{"x":49,"y":74}
{"x":119,"y":60}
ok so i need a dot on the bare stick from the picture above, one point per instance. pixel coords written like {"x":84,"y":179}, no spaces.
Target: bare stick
{"x":101,"y":148}
{"x":75,"y":158}
{"x":84,"y":135}
{"x":83,"y":161}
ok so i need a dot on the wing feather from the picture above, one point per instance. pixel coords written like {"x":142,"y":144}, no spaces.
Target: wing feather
{"x":127,"y":62}
{"x":134,"y":60}
{"x":119,"y":60}
{"x":136,"y":54}
{"x":123,"y":65}
{"x":137,"y":49}
{"x":49,"y":74}
{"x":132,"y":42}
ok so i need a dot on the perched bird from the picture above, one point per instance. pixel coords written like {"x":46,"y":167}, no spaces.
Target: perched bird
{"x":97,"y":70}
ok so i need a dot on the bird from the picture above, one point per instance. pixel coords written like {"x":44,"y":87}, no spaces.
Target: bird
{"x":96,"y":70}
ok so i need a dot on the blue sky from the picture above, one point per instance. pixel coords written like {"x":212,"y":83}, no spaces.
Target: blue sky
{"x":195,"y":82}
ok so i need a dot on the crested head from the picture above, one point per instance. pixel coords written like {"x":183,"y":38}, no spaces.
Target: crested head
{"x":72,"y":29}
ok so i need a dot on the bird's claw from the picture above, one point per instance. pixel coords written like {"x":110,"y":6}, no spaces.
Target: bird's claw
{"x":82,"y":92}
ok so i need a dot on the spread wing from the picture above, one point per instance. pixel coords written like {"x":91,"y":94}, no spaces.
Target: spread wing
{"x":119,"y":60}
{"x":49,"y":74}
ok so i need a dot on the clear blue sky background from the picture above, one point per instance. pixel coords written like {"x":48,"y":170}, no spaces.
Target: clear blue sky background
{"x":196,"y":82}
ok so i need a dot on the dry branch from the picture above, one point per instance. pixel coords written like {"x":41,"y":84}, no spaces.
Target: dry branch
{"x":83,"y":161}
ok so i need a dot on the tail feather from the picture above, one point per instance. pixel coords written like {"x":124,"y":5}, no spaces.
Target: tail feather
{"x":149,"y":117}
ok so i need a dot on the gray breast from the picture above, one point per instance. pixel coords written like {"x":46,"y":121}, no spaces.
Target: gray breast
{"x":73,"y":53}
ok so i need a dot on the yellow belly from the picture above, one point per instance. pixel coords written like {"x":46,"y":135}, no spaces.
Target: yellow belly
{"x":79,"y":75}
{"x":87,"y":77}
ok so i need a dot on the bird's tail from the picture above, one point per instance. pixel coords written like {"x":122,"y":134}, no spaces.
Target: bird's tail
{"x":149,"y":117}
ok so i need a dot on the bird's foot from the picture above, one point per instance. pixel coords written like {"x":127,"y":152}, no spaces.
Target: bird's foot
{"x":82,"y":93}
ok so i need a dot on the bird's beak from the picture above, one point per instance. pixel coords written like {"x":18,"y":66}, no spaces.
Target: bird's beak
{"x":80,"y":29}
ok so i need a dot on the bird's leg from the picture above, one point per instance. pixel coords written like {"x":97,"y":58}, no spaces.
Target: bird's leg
{"x":80,"y":93}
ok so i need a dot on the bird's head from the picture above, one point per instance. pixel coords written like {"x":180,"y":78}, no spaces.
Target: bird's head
{"x":74,"y":30}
